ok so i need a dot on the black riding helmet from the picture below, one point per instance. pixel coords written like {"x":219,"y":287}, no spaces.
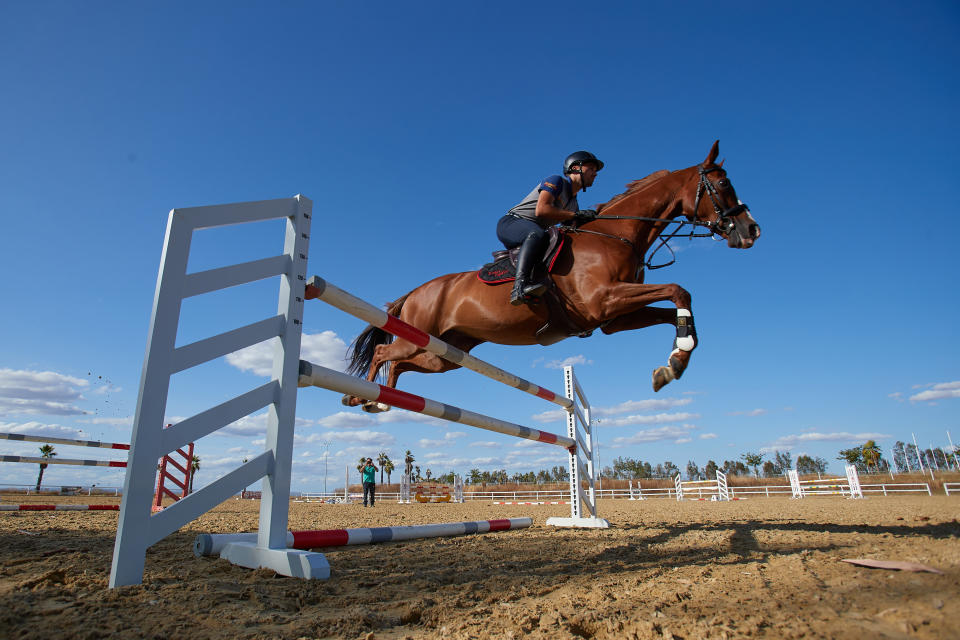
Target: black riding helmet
{"x":578,"y":158}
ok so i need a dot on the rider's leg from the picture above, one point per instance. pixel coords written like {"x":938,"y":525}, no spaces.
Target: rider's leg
{"x":529,"y":254}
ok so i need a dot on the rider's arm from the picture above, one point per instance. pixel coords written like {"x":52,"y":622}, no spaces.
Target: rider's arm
{"x":546,"y":210}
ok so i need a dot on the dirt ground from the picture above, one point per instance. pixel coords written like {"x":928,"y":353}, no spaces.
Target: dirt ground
{"x":752,"y":568}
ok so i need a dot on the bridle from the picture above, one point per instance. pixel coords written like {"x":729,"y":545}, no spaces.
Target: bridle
{"x":723,"y":223}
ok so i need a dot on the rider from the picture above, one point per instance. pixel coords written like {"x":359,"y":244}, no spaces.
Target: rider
{"x":553,"y":200}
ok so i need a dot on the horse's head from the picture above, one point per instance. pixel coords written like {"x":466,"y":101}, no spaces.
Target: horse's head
{"x":727,"y":217}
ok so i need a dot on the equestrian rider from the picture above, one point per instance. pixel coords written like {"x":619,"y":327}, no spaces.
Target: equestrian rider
{"x":553,"y":200}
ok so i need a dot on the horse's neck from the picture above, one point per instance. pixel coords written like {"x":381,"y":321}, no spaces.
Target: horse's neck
{"x":662,"y":200}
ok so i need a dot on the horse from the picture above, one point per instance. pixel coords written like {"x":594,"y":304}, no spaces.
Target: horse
{"x":598,"y":276}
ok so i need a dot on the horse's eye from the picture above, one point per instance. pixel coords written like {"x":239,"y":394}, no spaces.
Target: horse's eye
{"x":723,"y":184}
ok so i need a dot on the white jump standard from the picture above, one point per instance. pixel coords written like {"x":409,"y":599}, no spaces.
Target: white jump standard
{"x":848,"y":486}
{"x":713,"y":489}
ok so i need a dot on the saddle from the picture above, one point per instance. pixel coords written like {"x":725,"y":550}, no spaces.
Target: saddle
{"x":504,"y":265}
{"x":503,"y":269}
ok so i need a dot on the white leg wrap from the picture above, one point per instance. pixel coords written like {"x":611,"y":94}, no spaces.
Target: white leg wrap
{"x":686,"y":343}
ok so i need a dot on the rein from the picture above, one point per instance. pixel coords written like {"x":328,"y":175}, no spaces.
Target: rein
{"x":723,"y":222}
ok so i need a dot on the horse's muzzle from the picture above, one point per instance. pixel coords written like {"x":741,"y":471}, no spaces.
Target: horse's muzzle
{"x":743,"y":232}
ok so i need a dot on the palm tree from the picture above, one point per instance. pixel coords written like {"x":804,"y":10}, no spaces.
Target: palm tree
{"x":361,"y":464}
{"x":382,"y":460}
{"x":194,"y":467}
{"x":408,"y":461}
{"x":46,"y":452}
{"x":388,"y":467}
{"x":871,"y":454}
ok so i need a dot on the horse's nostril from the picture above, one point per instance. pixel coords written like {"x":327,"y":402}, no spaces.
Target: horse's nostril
{"x":754,"y":231}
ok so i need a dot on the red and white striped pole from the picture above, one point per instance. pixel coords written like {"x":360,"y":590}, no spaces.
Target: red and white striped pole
{"x":85,"y":463}
{"x":318,"y":376}
{"x":59,"y":507}
{"x":77,"y":443}
{"x":211,"y":544}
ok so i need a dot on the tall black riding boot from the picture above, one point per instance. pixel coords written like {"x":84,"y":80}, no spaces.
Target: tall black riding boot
{"x":522,"y":288}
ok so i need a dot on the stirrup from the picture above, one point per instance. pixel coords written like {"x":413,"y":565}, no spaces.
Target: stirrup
{"x":519,"y":294}
{"x":536,"y":289}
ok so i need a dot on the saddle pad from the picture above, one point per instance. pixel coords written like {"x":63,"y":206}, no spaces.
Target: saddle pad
{"x":504,"y":268}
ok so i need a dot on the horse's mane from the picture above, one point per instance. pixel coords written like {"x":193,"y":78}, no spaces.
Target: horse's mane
{"x":634,"y":187}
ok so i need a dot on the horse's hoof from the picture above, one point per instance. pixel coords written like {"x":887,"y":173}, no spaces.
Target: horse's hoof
{"x":375,"y":407}
{"x":677,"y":367}
{"x":661,"y":377}
{"x":346,"y":401}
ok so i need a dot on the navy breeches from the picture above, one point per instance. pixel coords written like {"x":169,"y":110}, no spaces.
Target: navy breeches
{"x":512,"y":231}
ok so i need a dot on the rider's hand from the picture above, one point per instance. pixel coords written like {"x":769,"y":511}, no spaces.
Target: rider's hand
{"x":585,"y":215}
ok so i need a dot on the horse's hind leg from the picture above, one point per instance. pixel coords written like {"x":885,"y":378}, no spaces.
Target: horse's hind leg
{"x":382,"y":354}
{"x":400,"y":356}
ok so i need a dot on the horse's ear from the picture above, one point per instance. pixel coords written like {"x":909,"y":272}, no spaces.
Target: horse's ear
{"x":712,"y":156}
{"x":720,"y":164}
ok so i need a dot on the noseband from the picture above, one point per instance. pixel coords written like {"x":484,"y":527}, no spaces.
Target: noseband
{"x":724,"y":222}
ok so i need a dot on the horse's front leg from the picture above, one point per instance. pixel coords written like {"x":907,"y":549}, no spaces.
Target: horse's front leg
{"x":625,"y":299}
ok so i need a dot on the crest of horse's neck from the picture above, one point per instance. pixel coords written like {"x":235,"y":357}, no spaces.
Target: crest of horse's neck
{"x":662,"y":199}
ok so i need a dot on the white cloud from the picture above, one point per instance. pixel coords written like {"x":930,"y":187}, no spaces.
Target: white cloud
{"x":107,"y":389}
{"x":671,"y":432}
{"x":939,"y":391}
{"x":40,"y":393}
{"x":553,"y":415}
{"x":751,"y":412}
{"x":566,"y":362}
{"x":448,"y":438}
{"x":659,"y":418}
{"x":364,"y":436}
{"x":325,"y":349}
{"x":347,"y":420}
{"x":40,"y":429}
{"x":707,"y":436}
{"x":115,"y":422}
{"x":251,"y":425}
{"x":651,"y":404}
{"x":793,"y":440}
{"x":683,"y":440}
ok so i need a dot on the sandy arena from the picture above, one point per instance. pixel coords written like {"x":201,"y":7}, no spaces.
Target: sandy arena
{"x":753,"y":568}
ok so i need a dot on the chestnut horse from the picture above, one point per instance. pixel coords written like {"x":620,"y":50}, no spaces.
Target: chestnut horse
{"x":598,"y":276}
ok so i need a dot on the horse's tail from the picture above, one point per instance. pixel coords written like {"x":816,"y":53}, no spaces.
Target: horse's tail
{"x":369,"y":338}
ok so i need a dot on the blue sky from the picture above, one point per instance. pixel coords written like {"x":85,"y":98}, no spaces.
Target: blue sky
{"x":413,"y":127}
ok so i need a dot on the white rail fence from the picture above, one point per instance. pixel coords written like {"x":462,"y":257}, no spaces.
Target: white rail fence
{"x":762,"y":491}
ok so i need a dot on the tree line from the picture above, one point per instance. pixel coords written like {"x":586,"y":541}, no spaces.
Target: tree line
{"x":867,"y":458}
